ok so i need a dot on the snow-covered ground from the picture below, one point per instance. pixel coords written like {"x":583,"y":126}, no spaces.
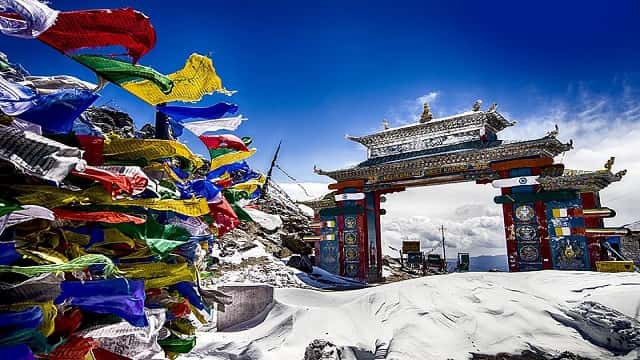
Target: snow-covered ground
{"x":437,"y":317}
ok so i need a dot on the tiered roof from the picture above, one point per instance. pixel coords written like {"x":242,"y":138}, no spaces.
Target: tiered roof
{"x":437,"y":133}
{"x":461,"y":145}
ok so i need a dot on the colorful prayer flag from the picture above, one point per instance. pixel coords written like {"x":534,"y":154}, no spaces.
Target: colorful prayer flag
{"x":75,"y":30}
{"x":26,"y":18}
{"x":180,"y":113}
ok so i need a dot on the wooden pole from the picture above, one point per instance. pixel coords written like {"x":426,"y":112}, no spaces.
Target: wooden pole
{"x":273,"y":164}
{"x":162,"y":125}
{"x":444,"y":250}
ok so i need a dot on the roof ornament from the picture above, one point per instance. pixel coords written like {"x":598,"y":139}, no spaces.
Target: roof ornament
{"x":553,"y":133}
{"x":385,"y":124}
{"x":621,"y":173}
{"x":476,"y":105}
{"x":609,"y":164}
{"x":426,"y":113}
{"x":316,"y":169}
{"x":492,"y":108}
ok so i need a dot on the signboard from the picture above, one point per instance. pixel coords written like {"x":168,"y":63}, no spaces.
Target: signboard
{"x":349,"y":196}
{"x":411,"y":247}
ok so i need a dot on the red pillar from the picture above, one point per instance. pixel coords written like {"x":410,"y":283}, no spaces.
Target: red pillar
{"x":590,"y":200}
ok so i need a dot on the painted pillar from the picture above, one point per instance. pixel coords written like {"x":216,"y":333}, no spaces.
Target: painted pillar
{"x":353,"y":235}
{"x":526,"y":234}
{"x":372,"y":242}
{"x":591,"y":200}
{"x":346,"y":251}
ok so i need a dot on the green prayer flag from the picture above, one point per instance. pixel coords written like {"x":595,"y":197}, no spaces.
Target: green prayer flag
{"x":161,"y":239}
{"x":121,"y":72}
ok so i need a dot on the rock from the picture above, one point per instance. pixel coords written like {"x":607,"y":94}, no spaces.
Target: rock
{"x":301,"y":263}
{"x":322,"y":350}
{"x":296,"y":246}
{"x":603,"y":326}
{"x":283,"y":253}
{"x":536,"y":354}
{"x":110,"y":120}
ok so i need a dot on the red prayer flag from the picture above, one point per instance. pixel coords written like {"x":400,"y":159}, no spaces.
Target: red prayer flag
{"x":67,"y":323}
{"x":128,"y":28}
{"x":73,"y":348}
{"x":110,"y":217}
{"x":226,"y":219}
{"x":102,"y":354}
{"x":223,"y":141}
{"x":93,"y":147}
{"x":114,"y":183}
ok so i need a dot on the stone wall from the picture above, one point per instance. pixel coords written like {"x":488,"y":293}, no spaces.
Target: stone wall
{"x":630,"y":247}
{"x":249,"y":306}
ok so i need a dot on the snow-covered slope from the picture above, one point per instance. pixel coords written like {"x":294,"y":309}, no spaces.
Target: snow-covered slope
{"x":437,"y":317}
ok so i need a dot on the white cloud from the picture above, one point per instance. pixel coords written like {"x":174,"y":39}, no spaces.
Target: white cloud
{"x":409,"y":111}
{"x":427,"y":98}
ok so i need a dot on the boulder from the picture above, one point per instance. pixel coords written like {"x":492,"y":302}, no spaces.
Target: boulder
{"x":322,"y":350}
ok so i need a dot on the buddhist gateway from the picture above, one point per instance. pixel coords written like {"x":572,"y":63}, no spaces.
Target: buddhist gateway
{"x":553,"y":217}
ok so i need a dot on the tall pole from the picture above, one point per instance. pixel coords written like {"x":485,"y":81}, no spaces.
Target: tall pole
{"x":444,"y":250}
{"x":162,"y":125}
{"x":273,"y":164}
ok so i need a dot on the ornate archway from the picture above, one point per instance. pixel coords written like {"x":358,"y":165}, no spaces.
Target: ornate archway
{"x":553,"y":217}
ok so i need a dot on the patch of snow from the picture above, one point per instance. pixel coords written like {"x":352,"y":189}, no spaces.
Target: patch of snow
{"x":436,"y":317}
{"x":273,"y":273}
{"x":239,"y":255}
{"x":323,"y":279}
{"x":386,"y":271}
{"x":268,"y":222}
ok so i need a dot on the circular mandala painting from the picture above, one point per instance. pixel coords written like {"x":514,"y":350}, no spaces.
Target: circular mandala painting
{"x":525,"y":213}
{"x":350,"y":222}
{"x":349,"y":238}
{"x":351,"y":254}
{"x":528,"y":253}
{"x":352,"y":269}
{"x":526,"y":232}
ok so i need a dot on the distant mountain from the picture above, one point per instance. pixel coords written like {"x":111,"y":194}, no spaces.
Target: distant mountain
{"x":483,"y":263}
{"x":489,"y":262}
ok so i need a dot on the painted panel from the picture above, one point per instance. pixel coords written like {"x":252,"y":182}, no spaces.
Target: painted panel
{"x":568,"y":252}
{"x":329,"y":254}
{"x":329,"y":251}
{"x":350,"y":239}
{"x":527,"y":236}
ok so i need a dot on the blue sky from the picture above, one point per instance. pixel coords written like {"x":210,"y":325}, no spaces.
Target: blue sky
{"x":311,"y":72}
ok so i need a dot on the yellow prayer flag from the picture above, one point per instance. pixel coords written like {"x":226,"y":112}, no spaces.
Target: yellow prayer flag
{"x":230,"y":158}
{"x":197,"y":78}
{"x":248,"y":186}
{"x":159,"y":275}
{"x":150,"y":149}
{"x":37,"y":194}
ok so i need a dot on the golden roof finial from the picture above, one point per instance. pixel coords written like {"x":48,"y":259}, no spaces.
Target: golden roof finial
{"x":426,"y":113}
{"x":609,"y":164}
{"x":476,"y":105}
